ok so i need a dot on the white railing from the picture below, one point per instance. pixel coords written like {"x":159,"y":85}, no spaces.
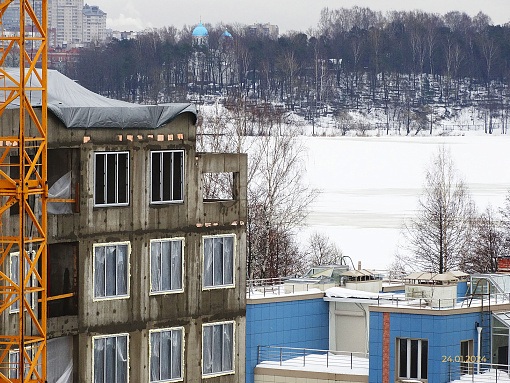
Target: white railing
{"x":473,"y":372}
{"x":444,"y":303}
{"x":313,"y":358}
{"x":266,"y":286}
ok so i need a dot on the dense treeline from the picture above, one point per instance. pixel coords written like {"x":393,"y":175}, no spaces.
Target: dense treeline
{"x":399,"y":62}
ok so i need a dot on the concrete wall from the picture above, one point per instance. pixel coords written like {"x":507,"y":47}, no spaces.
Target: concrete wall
{"x":138,"y":223}
{"x":287,"y":321}
{"x":444,"y":331}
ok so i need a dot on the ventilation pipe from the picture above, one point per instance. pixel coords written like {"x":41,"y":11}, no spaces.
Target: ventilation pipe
{"x":479,"y":329}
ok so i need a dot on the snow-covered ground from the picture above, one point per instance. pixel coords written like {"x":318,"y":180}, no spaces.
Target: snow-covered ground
{"x":371,"y":185}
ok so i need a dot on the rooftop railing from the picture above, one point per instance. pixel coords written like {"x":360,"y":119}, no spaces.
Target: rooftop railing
{"x":312,"y":358}
{"x":256,"y":288}
{"x":444,"y":303}
{"x":474,"y":372}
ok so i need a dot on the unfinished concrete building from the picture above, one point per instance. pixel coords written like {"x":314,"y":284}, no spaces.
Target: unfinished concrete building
{"x":146,"y":277}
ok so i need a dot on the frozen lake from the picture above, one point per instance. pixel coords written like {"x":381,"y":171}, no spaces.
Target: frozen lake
{"x":371,"y":185}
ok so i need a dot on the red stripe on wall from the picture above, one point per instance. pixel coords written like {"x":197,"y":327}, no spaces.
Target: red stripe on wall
{"x":386,"y":348}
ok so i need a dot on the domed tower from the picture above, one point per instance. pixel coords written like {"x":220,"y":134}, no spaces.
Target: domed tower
{"x":200,"y":35}
{"x":226,"y":40}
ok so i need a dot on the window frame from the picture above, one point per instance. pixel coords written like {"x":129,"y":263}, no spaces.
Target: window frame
{"x":13,"y":360}
{"x":223,"y":372}
{"x":128,"y":271}
{"x":409,"y":362}
{"x":170,"y":200}
{"x":169,"y":329}
{"x":174,"y":291}
{"x":466,"y":351}
{"x":15,"y":278}
{"x":13,"y":372}
{"x":105,"y":187}
{"x":213,"y":285}
{"x":96,"y":337}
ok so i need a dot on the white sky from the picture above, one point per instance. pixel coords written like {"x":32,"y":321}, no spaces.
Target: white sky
{"x":298,"y":15}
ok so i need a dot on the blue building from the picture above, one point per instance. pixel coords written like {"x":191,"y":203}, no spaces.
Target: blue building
{"x":443,"y":327}
{"x":288,"y":321}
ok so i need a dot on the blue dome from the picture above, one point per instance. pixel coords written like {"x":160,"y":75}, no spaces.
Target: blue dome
{"x":227,"y":34}
{"x":200,"y":30}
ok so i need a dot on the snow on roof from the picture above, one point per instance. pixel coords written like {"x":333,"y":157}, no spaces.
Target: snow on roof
{"x":342,"y":292}
{"x":492,"y":375}
{"x":78,"y":107}
{"x":344,"y":363}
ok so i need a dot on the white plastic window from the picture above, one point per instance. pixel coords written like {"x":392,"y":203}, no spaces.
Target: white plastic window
{"x":166,"y":265}
{"x":111,"y":275}
{"x":14,"y":274}
{"x":218,"y":348}
{"x":412,"y":358}
{"x":110,"y":364}
{"x":166,"y":350}
{"x":218,"y":261}
{"x":167,"y":176}
{"x":14,"y":266}
{"x":111,"y":178}
{"x":14,"y":363}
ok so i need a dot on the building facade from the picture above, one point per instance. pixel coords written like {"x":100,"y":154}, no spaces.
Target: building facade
{"x":145,"y":277}
{"x":65,"y":23}
{"x":72,"y":24}
{"x":94,"y":24}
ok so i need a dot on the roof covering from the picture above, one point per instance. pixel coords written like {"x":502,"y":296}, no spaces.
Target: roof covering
{"x":78,"y":107}
{"x":200,"y":30}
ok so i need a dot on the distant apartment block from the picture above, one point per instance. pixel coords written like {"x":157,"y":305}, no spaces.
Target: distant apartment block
{"x":72,"y":24}
{"x":65,"y":22}
{"x":94,"y":24}
{"x":121,"y":35}
{"x":10,"y":17}
{"x":266,"y":30}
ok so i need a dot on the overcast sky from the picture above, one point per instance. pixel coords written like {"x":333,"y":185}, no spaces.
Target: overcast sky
{"x":298,"y":15}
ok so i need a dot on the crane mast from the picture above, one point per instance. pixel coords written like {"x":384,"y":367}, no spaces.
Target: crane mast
{"x":23,"y":194}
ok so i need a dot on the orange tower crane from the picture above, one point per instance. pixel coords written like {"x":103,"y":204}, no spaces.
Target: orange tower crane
{"x":23,"y":194}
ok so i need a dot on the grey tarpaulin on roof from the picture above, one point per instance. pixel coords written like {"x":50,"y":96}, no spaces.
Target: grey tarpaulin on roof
{"x":78,"y":107}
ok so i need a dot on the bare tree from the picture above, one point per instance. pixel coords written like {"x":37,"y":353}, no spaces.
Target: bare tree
{"x":439,"y":236}
{"x":487,"y":245}
{"x":278,"y":197}
{"x":321,"y":251}
{"x":505,"y":224}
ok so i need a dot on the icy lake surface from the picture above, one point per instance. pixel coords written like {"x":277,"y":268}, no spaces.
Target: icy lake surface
{"x":371,"y":185}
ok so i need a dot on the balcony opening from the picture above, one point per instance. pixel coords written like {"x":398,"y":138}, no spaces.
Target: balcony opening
{"x":62,"y":279}
{"x":63,"y":171}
